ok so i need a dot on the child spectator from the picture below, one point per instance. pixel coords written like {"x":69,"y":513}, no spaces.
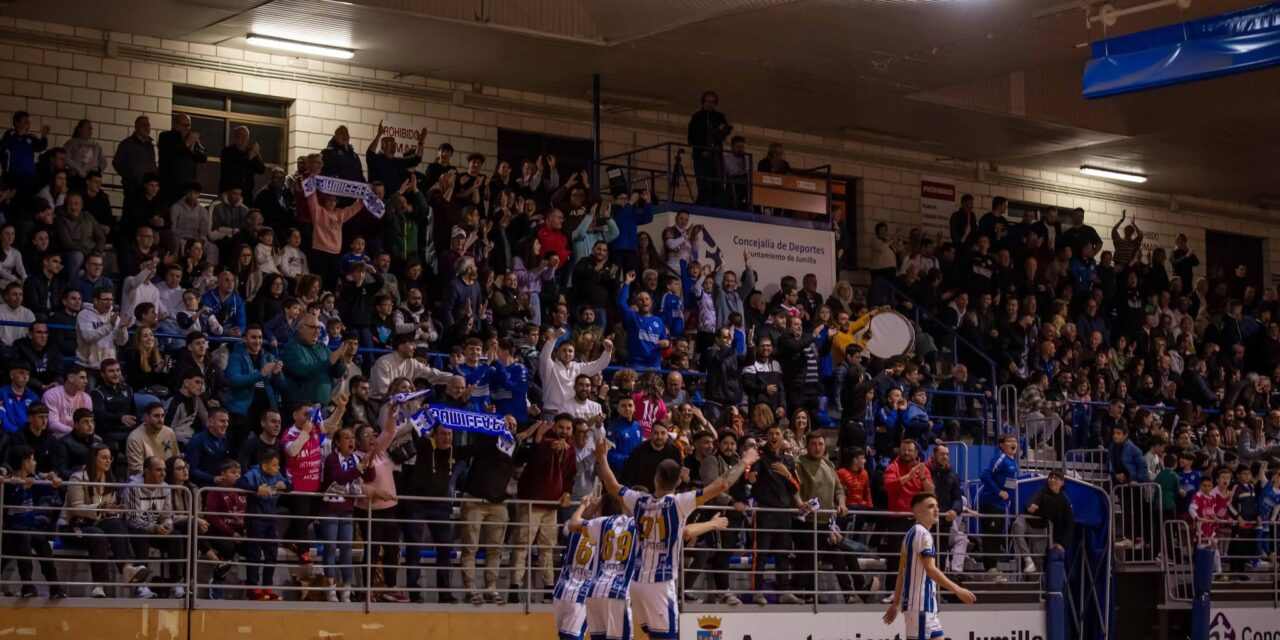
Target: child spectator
{"x":1268,"y":511}
{"x":671,"y":310}
{"x":344,"y":474}
{"x":355,"y":258}
{"x":28,"y":530}
{"x":856,"y":481}
{"x":1188,"y":480}
{"x":1242,"y":551}
{"x":266,"y":483}
{"x":292,"y":260}
{"x":224,"y":511}
{"x":1203,"y":513}
{"x":265,"y":252}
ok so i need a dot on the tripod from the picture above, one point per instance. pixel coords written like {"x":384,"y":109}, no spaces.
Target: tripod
{"x":678,"y":175}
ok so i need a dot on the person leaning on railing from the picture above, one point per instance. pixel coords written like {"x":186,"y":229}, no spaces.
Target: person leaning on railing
{"x":92,"y":519}
{"x":149,"y":515}
{"x":1048,"y":519}
{"x":27,"y":528}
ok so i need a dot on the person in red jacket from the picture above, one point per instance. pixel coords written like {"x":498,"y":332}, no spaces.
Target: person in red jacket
{"x":550,"y":466}
{"x":552,"y":236}
{"x":856,"y":481}
{"x":224,"y":511}
{"x":903,"y":479}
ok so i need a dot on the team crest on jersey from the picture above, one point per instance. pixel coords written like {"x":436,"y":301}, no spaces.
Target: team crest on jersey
{"x":709,"y":628}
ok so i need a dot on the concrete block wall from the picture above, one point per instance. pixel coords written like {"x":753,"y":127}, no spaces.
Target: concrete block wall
{"x":61,"y":86}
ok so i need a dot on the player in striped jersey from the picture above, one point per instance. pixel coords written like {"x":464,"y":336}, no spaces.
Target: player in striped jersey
{"x":659,"y":521}
{"x":608,"y":593}
{"x":580,"y":560}
{"x":919,"y":577}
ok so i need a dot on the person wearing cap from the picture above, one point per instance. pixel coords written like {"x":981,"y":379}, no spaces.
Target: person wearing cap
{"x":16,"y":397}
{"x":400,"y":363}
{"x":459,"y":246}
{"x":36,"y":434}
{"x":1047,"y":519}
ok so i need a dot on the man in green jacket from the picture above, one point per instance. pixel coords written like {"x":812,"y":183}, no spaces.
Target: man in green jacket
{"x":309,"y":366}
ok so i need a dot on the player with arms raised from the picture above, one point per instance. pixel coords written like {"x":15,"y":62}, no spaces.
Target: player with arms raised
{"x":919,"y":577}
{"x":608,"y":605}
{"x":659,"y":521}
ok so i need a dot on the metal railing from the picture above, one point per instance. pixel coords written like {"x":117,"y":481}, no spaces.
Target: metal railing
{"x":200,"y":565}
{"x":77,"y":547}
{"x":925,"y":320}
{"x":1177,"y":562}
{"x":1138,"y":522}
{"x":983,"y":421}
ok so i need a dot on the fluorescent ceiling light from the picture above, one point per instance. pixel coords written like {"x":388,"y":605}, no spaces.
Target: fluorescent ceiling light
{"x":299,"y":47}
{"x":1112,"y":174}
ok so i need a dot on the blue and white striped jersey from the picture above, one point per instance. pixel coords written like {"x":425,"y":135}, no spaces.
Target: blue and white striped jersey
{"x":919,"y":592}
{"x":615,"y":542}
{"x":578,"y":568}
{"x":660,"y":523}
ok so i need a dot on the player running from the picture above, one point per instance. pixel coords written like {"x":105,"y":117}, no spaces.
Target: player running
{"x":659,"y":520}
{"x":919,"y":576}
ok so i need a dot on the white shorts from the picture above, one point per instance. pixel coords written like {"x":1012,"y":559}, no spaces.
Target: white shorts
{"x":609,"y":619}
{"x":654,"y":606}
{"x":922,"y":625}
{"x":571,"y":618}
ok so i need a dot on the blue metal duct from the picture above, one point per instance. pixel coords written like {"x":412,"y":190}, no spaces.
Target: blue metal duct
{"x":1205,"y":48}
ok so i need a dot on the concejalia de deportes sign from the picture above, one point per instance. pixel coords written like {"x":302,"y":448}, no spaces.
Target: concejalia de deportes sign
{"x":959,"y":624}
{"x":1244,"y":623}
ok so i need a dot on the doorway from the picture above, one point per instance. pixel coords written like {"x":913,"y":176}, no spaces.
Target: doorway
{"x":1223,"y":252}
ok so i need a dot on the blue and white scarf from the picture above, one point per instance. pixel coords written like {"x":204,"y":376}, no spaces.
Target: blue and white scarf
{"x":345,"y":189}
{"x":489,"y":424}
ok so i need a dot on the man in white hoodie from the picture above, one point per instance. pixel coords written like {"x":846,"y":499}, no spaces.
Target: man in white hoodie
{"x":99,"y":330}
{"x":13,"y":311}
{"x":558,"y":373}
{"x":400,"y":363}
{"x":140,"y":288}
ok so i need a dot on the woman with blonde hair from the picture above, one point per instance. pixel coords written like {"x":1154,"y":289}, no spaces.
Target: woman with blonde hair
{"x":147,"y":368}
{"x":762,"y":417}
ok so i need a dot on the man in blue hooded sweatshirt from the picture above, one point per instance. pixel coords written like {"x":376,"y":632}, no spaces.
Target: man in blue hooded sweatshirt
{"x":999,"y":484}
{"x":646,"y":333}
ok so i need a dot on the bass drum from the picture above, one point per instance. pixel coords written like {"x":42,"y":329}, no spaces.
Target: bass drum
{"x":892,"y":335}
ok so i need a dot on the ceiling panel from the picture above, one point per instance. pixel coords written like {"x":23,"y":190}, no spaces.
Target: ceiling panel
{"x":994,"y":80}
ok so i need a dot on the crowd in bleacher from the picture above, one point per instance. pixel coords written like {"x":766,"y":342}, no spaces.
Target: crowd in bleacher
{"x":250,"y":350}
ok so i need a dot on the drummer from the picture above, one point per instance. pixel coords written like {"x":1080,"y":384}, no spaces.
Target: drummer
{"x":848,"y":334}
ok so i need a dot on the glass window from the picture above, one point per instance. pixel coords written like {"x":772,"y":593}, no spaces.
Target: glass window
{"x":216,"y":115}
{"x":257,"y":107}
{"x":185,"y":97}
{"x":213,"y":132}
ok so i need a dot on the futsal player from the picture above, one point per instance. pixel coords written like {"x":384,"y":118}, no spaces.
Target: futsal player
{"x":658,"y":529}
{"x":608,"y":605}
{"x":580,"y":558}
{"x":919,"y":577}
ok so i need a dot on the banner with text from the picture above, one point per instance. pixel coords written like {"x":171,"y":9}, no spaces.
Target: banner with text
{"x":776,"y":250}
{"x":938,"y":199}
{"x":959,"y":624}
{"x":400,"y":127}
{"x":1243,"y":623}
